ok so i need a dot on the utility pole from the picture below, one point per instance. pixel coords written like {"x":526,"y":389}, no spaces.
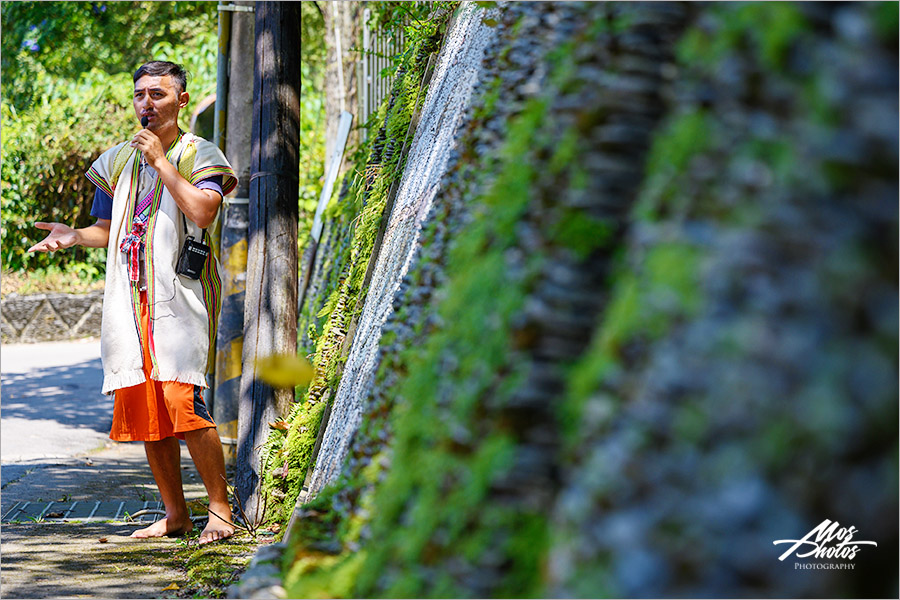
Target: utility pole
{"x":238,"y":132}
{"x":270,"y":313}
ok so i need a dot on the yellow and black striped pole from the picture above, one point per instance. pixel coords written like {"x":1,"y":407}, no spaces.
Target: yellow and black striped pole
{"x":230,"y":335}
{"x":234,"y":117}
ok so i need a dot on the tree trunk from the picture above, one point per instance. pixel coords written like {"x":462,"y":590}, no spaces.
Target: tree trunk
{"x":343,"y":18}
{"x":270,"y":314}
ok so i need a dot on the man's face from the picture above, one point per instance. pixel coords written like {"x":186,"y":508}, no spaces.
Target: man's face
{"x":158,"y":99}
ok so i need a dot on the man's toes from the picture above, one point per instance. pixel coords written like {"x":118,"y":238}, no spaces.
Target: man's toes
{"x":214,"y":535}
{"x":207,"y":538}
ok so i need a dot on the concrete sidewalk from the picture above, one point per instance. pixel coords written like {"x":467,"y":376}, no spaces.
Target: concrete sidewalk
{"x":52,"y":405}
{"x":64,"y":487}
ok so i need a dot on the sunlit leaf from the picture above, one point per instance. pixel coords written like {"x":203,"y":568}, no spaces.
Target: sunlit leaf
{"x":171,"y":586}
{"x":284,"y":370}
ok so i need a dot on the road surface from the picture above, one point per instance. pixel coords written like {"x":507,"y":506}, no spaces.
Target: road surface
{"x":50,"y":403}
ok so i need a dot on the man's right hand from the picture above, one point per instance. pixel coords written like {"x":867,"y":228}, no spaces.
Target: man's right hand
{"x":61,"y":236}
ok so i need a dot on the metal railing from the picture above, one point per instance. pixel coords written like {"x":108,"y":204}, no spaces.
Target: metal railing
{"x":378,"y":49}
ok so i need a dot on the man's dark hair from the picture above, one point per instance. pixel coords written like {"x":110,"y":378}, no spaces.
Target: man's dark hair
{"x":159,"y":68}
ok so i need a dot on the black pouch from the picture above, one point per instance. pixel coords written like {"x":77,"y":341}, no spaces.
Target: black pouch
{"x":193,"y":256}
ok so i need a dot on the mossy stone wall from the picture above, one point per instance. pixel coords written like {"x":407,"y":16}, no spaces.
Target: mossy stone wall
{"x":651,"y":326}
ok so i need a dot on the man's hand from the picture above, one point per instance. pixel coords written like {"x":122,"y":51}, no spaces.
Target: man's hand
{"x":61,"y":236}
{"x":148,"y":143}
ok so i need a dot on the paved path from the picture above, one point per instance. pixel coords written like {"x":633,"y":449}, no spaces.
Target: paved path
{"x":42,"y":560}
{"x":55,"y":448}
{"x":51,"y":402}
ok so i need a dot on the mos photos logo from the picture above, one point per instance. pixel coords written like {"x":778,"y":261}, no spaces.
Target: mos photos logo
{"x":829,"y":541}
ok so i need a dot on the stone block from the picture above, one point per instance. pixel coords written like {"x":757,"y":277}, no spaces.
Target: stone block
{"x":50,"y":317}
{"x":45,"y":325}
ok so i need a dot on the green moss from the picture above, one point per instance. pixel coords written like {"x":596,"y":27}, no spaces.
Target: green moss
{"x":313,"y":569}
{"x":690,"y":424}
{"x":778,"y":154}
{"x":673,"y":272}
{"x":768,"y":29}
{"x":884,"y":17}
{"x":645,"y":304}
{"x":437,"y":493}
{"x":684,"y":137}
{"x":490,"y":99}
{"x":581,"y":233}
{"x":565,"y":151}
{"x":324,"y":576}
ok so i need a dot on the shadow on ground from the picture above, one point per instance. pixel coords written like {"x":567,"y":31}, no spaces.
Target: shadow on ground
{"x":69,"y":395}
{"x":54,"y":560}
{"x":43,"y":560}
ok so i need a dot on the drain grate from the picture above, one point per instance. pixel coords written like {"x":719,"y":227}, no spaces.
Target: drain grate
{"x":86,"y":511}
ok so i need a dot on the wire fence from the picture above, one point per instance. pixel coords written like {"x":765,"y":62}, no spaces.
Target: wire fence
{"x":378,"y":49}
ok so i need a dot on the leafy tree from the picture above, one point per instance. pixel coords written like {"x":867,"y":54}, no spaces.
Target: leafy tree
{"x":312,"y":113}
{"x":66,"y":87}
{"x":45,"y":42}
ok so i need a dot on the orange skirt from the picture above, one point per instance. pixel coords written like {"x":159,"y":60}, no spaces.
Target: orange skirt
{"x":155,"y":410}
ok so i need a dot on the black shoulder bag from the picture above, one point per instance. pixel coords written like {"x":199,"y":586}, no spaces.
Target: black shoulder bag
{"x":193,"y":255}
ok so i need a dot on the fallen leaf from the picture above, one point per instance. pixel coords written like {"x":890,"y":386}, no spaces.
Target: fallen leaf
{"x":54,"y":515}
{"x":283,"y":370}
{"x":103,"y":540}
{"x":171,"y":586}
{"x":274,"y":528}
{"x":279,"y":424}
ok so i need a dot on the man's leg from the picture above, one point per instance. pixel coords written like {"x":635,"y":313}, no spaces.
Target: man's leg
{"x":206,"y":450}
{"x":164,"y":457}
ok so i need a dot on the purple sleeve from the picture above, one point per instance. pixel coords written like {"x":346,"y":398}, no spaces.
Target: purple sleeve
{"x":102,"y":207}
{"x":213,"y":183}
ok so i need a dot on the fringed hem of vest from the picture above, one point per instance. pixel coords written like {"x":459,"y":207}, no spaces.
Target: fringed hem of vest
{"x":187,"y":377}
{"x":116,"y":381}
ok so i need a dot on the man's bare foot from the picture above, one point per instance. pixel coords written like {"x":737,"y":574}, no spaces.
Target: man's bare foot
{"x":162,"y":529}
{"x":217,"y":528}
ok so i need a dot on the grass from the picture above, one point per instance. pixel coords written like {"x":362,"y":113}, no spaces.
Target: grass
{"x":50,"y":280}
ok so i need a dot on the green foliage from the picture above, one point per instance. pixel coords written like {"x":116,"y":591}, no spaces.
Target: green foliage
{"x":76,"y":278}
{"x":46,"y":152}
{"x":411,"y":20}
{"x":47,"y":44}
{"x":67,"y":79}
{"x":395,"y":17}
{"x":312,"y":115}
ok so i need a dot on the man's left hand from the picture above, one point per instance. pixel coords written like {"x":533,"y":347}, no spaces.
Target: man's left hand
{"x":147,"y":142}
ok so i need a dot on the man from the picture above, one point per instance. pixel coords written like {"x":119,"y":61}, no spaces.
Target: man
{"x":152,"y":193}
